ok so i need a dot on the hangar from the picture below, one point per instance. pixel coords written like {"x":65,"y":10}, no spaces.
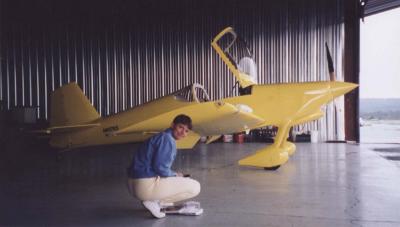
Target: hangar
{"x":123,"y":54}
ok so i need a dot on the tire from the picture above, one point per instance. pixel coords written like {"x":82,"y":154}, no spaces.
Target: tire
{"x":272,"y":168}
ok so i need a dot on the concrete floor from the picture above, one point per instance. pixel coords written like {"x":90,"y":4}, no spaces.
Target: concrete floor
{"x":321,"y":185}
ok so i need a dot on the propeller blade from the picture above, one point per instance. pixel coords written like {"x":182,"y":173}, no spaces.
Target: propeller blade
{"x":332,"y":75}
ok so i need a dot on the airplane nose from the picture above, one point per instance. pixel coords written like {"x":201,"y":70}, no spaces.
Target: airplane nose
{"x":341,"y":88}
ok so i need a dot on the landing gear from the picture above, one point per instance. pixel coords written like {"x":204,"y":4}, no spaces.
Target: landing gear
{"x":272,"y":168}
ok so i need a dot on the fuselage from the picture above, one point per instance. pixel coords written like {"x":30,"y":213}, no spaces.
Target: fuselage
{"x":279,"y":103}
{"x":276,"y":104}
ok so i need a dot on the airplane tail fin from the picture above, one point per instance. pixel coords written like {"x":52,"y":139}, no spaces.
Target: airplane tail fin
{"x":243,"y":68}
{"x":69,"y":106}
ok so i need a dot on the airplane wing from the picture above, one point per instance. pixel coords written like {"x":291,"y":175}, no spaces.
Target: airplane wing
{"x":189,"y":141}
{"x":209,"y":118}
{"x":229,"y":119}
{"x":234,"y":118}
{"x":186,"y":143}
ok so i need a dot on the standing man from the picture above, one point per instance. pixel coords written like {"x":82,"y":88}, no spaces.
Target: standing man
{"x":151,"y":178}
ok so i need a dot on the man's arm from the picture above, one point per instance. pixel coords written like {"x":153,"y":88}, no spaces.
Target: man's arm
{"x":164,"y":155}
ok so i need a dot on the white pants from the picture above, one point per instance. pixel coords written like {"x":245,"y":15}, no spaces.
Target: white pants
{"x":166,"y":190}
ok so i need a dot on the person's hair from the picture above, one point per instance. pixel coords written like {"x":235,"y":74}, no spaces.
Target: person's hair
{"x":183,"y":119}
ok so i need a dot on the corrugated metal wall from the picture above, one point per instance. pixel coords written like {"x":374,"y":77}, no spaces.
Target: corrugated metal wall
{"x":125,"y":53}
{"x":378,"y":6}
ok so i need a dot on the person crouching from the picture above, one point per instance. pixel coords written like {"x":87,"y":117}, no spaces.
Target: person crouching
{"x":150,"y":177}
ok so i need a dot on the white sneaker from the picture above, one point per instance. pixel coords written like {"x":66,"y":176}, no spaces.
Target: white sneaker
{"x":191,"y":211}
{"x":191,"y":208}
{"x":165,"y":205}
{"x":154,"y":208}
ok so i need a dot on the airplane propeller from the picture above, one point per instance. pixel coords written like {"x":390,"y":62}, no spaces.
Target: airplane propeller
{"x":332,"y":78}
{"x":332,"y":75}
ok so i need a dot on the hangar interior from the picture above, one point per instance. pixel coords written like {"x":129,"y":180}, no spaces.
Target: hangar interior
{"x":126,"y":53}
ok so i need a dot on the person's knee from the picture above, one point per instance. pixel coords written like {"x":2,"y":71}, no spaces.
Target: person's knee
{"x":195,"y":188}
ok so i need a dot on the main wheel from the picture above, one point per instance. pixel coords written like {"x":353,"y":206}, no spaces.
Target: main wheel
{"x":272,"y":168}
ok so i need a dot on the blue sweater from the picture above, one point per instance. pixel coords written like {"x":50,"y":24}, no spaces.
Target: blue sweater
{"x":154,"y":157}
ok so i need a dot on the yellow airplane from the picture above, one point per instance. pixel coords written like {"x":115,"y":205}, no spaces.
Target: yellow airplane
{"x":75,"y":122}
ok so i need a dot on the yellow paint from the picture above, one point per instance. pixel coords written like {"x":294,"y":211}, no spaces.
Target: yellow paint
{"x":75,"y":123}
{"x":289,"y":147}
{"x":189,"y":141}
{"x":266,"y":157}
{"x":65,"y":104}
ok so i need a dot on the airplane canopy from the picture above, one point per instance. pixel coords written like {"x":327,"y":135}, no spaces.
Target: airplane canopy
{"x":192,"y":93}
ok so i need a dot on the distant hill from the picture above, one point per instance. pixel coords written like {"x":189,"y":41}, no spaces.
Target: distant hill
{"x":380,"y":109}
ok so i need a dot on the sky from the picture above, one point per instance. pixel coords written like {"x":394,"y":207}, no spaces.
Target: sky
{"x":380,"y":55}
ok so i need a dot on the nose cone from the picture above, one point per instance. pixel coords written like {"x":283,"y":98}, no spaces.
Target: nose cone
{"x":341,"y":88}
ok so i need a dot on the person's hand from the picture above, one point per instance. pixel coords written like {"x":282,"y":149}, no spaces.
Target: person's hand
{"x":179,"y":174}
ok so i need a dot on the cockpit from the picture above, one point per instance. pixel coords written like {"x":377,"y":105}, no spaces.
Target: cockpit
{"x":192,"y":93}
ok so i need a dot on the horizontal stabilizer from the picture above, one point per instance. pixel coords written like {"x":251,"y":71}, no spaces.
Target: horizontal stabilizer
{"x":67,"y":128}
{"x":117,"y":133}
